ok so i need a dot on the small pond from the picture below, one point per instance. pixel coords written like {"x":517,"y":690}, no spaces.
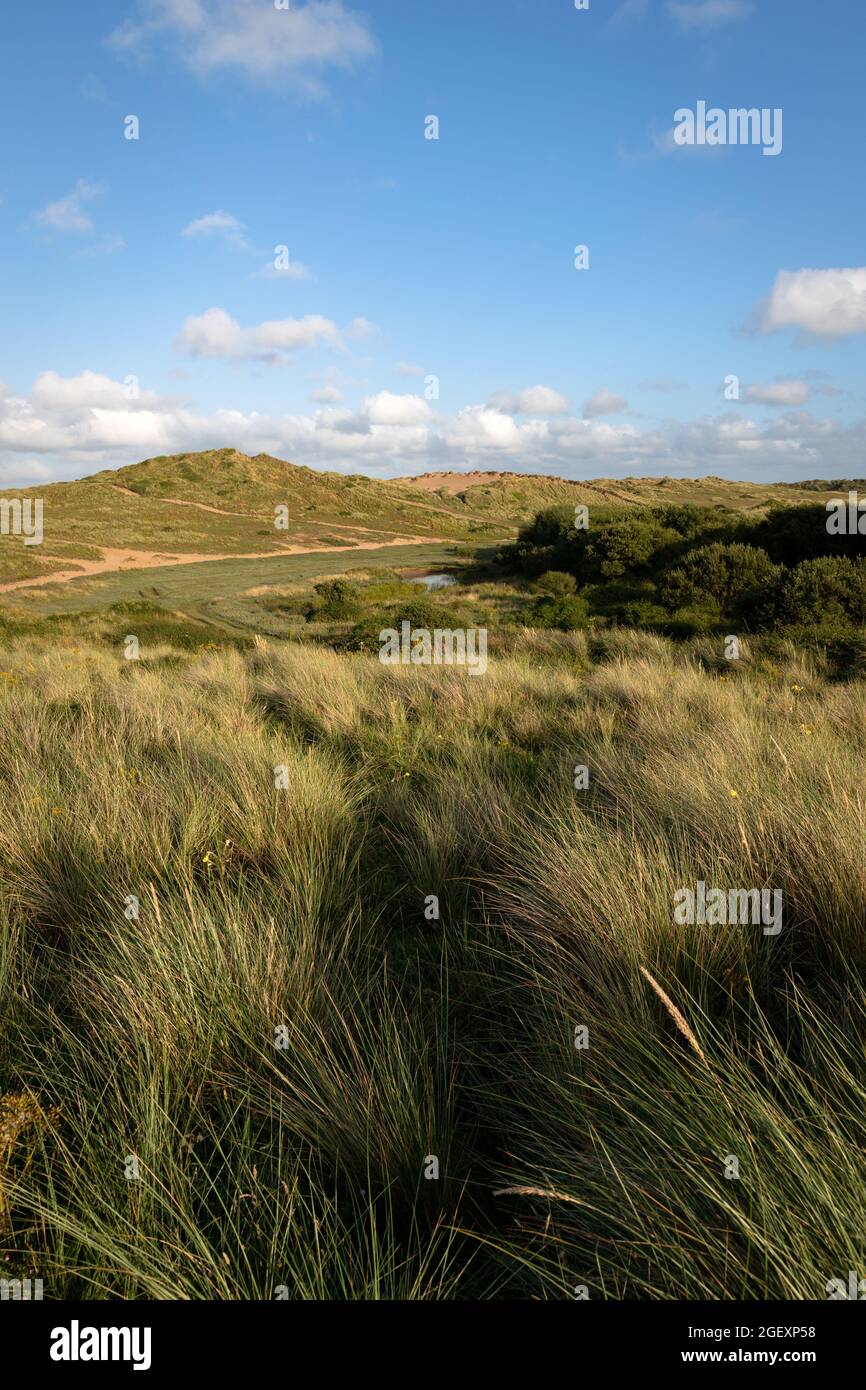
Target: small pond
{"x":432,"y":581}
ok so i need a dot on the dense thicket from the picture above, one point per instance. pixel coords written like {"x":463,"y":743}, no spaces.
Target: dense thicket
{"x":685,"y":569}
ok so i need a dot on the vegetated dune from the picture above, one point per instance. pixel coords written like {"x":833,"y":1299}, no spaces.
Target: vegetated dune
{"x":219,"y":873}
{"x":222,"y":502}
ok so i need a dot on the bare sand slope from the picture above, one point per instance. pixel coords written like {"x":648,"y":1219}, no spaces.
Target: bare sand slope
{"x":453,"y":482}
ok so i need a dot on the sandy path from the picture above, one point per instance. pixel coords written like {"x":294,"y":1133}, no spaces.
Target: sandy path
{"x":127,"y":560}
{"x":180,"y":502}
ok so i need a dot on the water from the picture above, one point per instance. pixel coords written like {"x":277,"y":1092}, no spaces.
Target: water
{"x":434,"y":581}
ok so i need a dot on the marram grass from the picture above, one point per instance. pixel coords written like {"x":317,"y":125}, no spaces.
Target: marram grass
{"x":240,"y":1059}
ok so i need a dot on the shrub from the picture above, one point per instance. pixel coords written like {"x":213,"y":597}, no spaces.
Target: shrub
{"x":338,"y":600}
{"x":364,"y":636}
{"x":827,"y":589}
{"x":567,"y":614}
{"x":724,"y":573}
{"x":638,"y":613}
{"x":556,"y":584}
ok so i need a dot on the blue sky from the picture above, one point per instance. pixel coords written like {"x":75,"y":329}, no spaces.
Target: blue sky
{"x":143,"y":313}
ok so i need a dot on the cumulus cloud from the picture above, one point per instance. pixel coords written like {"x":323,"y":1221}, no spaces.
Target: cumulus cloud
{"x":386,"y":408}
{"x":533,"y":400}
{"x":779,"y":393}
{"x":827,"y":303}
{"x":294,"y":44}
{"x":707,"y":14}
{"x":216,"y":334}
{"x":480,"y":427}
{"x":219,"y":224}
{"x":70,"y":426}
{"x":68,"y":214}
{"x":603,"y":403}
{"x":66,"y":395}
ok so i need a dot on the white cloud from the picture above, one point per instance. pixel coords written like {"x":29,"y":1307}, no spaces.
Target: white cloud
{"x":707,"y":14}
{"x":479,"y":429}
{"x":533,"y":400}
{"x":233,"y":233}
{"x":220,"y":224}
{"x":293,"y":44}
{"x":408,"y":369}
{"x":828,"y":303}
{"x":327,"y":395}
{"x":64,"y":395}
{"x":603,"y":403}
{"x":389,"y":409}
{"x":778,"y":393}
{"x":68,"y":214}
{"x":216,"y":334}
{"x":73,"y":426}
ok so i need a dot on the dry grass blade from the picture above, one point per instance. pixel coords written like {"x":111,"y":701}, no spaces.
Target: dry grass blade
{"x":678,"y":1018}
{"x":537,"y":1192}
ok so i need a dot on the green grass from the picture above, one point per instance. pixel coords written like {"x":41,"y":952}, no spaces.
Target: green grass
{"x":304,"y":908}
{"x":197,"y":587}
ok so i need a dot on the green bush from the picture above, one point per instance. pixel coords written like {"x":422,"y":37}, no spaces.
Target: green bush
{"x":364,"y":636}
{"x":567,"y":614}
{"x":827,"y":589}
{"x":638,"y":613}
{"x":338,"y":601}
{"x":693,"y":620}
{"x":556,"y":584}
{"x":723,"y":573}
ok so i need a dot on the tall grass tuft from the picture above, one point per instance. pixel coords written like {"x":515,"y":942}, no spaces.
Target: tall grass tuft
{"x":255,"y":1064}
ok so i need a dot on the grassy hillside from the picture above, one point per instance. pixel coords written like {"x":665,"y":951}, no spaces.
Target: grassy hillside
{"x":516,"y":497}
{"x":154,"y":1035}
{"x":222,"y":502}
